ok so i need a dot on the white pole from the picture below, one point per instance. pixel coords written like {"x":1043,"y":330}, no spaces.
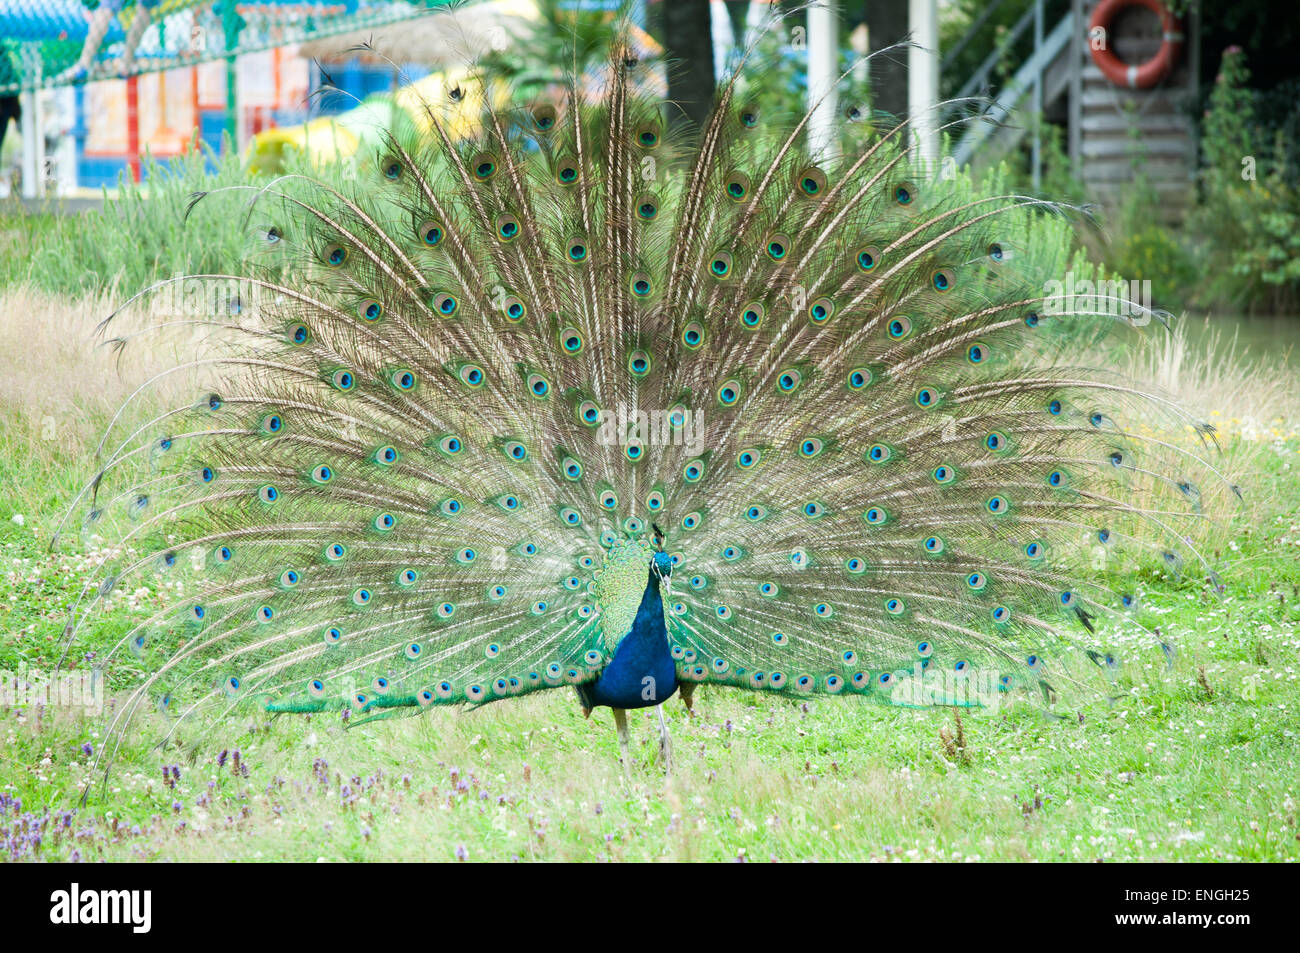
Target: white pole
{"x":724,"y":38}
{"x":923,"y":79}
{"x":823,"y":71}
{"x":65,"y":165}
{"x":33,"y":131}
{"x":755,"y":15}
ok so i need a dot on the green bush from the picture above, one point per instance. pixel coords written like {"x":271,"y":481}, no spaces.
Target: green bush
{"x":1246,"y":228}
{"x":140,"y":235}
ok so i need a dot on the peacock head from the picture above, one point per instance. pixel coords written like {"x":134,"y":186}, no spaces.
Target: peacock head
{"x":661,"y":564}
{"x":661,"y":567}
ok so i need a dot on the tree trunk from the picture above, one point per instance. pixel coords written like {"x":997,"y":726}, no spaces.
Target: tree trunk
{"x":688,"y":37}
{"x":886,"y":24}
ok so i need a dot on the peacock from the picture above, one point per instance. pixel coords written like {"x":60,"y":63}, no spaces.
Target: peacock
{"x":561,"y":392}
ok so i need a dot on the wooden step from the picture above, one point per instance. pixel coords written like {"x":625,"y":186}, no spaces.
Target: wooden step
{"x":1113,"y":97}
{"x":1150,"y":147}
{"x":1121,"y":171}
{"x":1151,"y":123}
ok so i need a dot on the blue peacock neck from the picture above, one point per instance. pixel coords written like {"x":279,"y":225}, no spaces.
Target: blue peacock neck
{"x":642,"y":672}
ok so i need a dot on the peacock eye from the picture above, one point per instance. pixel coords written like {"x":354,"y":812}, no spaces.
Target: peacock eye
{"x":544,"y":117}
{"x":508,"y":227}
{"x":484,"y":166}
{"x":811,"y":182}
{"x":431,"y":232}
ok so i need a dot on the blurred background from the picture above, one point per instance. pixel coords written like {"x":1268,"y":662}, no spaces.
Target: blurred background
{"x":1177,"y":118}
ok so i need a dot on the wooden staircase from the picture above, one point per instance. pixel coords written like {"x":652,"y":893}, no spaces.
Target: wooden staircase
{"x":1118,"y":135}
{"x":1119,"y":138}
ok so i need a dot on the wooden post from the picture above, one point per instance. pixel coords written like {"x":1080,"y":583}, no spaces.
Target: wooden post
{"x":194,"y":108}
{"x":133,"y":126}
{"x":276,"y":62}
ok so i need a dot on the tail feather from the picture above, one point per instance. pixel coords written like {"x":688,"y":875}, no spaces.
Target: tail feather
{"x":840,"y":385}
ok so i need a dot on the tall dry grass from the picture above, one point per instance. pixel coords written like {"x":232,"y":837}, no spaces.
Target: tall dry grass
{"x":1217,"y":376}
{"x":1252,"y":398}
{"x":59,"y":388}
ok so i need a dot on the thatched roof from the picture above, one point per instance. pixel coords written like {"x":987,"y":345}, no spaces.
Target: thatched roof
{"x":440,"y":39}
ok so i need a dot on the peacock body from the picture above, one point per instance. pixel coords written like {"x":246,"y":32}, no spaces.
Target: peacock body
{"x":584,"y":400}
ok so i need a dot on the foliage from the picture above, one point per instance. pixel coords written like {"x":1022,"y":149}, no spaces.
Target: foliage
{"x":995,"y":21}
{"x":81,"y":254}
{"x":1248,"y":221}
{"x":562,"y":37}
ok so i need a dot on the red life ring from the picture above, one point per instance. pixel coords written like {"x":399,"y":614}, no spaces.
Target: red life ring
{"x":1145,"y":75}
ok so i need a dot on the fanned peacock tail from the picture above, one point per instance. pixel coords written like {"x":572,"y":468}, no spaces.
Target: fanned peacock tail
{"x":464,"y":401}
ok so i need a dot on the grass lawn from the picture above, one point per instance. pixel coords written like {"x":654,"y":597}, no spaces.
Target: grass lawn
{"x":1195,"y":761}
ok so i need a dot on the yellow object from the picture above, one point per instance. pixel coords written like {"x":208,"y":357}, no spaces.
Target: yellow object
{"x":332,"y":138}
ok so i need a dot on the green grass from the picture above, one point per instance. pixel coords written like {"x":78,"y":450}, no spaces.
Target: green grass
{"x":1195,"y":762}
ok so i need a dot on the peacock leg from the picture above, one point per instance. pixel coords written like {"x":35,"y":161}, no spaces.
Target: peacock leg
{"x":620,"y":722}
{"x":665,"y":742}
{"x":687,"y":691}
